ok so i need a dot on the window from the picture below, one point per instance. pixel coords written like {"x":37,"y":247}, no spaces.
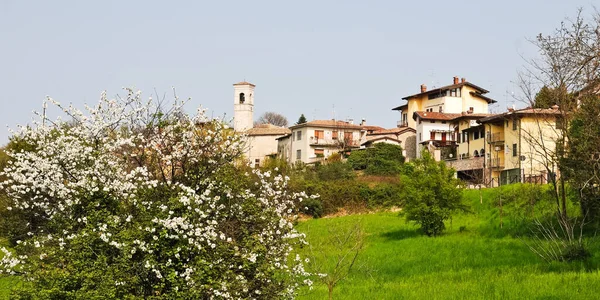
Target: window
{"x":348,"y":137}
{"x":514,"y":149}
{"x":481,"y":133}
{"x":432,"y":135}
{"x":476,"y":135}
{"x":444,"y":122}
{"x":298,"y":135}
{"x":319,"y":152}
{"x":257,"y":163}
{"x":475,"y":153}
{"x":432,"y":121}
{"x":242,"y":98}
{"x":441,"y":109}
{"x":404,"y":118}
{"x":453,"y":93}
{"x":298,"y":154}
{"x":334,"y":134}
{"x":515,"y":124}
{"x":458,"y":92}
{"x":506,"y":123}
{"x":420,"y":137}
{"x":471,"y":109}
{"x":319,"y":134}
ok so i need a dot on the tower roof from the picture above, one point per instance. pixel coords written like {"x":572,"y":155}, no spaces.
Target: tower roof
{"x":244,"y":83}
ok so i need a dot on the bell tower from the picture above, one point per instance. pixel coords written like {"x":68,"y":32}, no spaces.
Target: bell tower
{"x":243,"y":106}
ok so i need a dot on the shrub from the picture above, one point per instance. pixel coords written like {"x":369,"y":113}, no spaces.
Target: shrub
{"x":431,"y":194}
{"x":124,"y":202}
{"x":313,"y":207}
{"x":381,"y":159}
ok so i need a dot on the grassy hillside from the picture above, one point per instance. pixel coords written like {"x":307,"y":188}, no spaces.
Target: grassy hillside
{"x":477,"y":261}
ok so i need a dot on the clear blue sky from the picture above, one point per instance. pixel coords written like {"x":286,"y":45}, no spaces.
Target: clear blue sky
{"x":304,"y":56}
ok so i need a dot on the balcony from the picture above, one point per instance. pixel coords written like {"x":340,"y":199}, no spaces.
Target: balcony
{"x":314,"y":141}
{"x":497,"y":137}
{"x":402,"y":124}
{"x":496,"y":163}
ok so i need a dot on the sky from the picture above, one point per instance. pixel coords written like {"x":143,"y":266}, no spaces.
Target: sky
{"x":323,"y":59}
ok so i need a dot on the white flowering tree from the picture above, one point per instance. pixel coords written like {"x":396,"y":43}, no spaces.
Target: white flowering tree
{"x":130,"y":201}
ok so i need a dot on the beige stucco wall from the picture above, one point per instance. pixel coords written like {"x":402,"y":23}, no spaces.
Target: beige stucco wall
{"x":259,"y":146}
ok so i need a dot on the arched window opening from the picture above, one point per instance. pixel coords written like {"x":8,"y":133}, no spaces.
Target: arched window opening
{"x":242,"y":98}
{"x":482,"y":152}
{"x":476,"y":154}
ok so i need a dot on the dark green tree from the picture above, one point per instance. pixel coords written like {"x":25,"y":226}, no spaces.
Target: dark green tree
{"x":431,"y":194}
{"x":381,"y":159}
{"x":582,"y":160}
{"x":301,"y":120}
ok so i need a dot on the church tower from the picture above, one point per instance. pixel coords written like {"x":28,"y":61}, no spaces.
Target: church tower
{"x":243,"y":106}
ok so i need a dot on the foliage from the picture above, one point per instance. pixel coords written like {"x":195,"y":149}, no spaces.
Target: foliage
{"x":301,"y":120}
{"x":582,"y":164}
{"x":381,"y":159}
{"x":334,"y":170}
{"x":273,"y":118}
{"x":313,"y":207}
{"x":431,"y":194}
{"x":127,"y":201}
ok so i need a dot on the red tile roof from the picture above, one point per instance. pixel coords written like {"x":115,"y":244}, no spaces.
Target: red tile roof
{"x":397,"y":130}
{"x":267,"y":129}
{"x":329,"y":124}
{"x":244,"y":83}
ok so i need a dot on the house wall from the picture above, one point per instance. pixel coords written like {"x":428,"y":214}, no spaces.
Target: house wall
{"x":538,"y":136}
{"x":259,"y":146}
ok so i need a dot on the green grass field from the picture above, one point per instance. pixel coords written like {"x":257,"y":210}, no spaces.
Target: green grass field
{"x":480,"y":262}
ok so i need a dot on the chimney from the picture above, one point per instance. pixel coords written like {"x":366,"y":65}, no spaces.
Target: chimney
{"x":455,"y":79}
{"x":463,"y":80}
{"x":423,"y":88}
{"x":363,"y":122}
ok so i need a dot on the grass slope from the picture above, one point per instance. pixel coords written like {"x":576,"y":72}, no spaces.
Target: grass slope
{"x":481,"y":262}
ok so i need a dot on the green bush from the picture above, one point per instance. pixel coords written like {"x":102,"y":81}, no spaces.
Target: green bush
{"x":381,"y":159}
{"x":431,"y":193}
{"x":313,"y":207}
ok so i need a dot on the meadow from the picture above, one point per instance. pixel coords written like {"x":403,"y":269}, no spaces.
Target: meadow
{"x":474,"y":259}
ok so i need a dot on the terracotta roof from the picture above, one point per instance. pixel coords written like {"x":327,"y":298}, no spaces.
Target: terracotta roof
{"x":435,"y":115}
{"x":244,"y":83}
{"x":328,"y":124}
{"x":461,"y":84}
{"x":371,"y":139}
{"x":372,"y":128}
{"x":397,"y":130}
{"x":267,"y":129}
{"x":521,"y":112}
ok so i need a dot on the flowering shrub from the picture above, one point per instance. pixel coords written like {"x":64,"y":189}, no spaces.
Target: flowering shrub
{"x":128,"y":201}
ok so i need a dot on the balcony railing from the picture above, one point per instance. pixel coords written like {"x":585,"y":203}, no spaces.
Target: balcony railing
{"x":402,"y":123}
{"x":496,"y":163}
{"x":314,"y":141}
{"x":496,"y":137}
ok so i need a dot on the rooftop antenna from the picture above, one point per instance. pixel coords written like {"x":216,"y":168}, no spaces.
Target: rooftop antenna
{"x":432,"y":75}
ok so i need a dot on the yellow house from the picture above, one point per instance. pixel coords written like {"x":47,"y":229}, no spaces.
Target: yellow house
{"x":520,"y":145}
{"x":461,"y":96}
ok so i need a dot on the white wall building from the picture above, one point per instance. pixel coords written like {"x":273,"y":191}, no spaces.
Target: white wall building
{"x":316,"y":140}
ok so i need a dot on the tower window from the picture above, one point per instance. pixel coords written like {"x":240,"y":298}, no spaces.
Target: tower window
{"x":242,"y":98}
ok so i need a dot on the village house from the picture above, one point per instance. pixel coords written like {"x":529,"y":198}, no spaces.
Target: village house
{"x":520,"y":145}
{"x":314,"y":141}
{"x":429,"y":113}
